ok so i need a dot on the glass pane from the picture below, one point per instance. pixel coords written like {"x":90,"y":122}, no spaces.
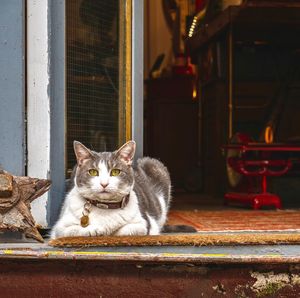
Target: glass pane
{"x":96,"y":52}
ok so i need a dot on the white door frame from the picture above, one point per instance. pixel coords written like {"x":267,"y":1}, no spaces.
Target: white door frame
{"x":46,"y":103}
{"x":38,"y":100}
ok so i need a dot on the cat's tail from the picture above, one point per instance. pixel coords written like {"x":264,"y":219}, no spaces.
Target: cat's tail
{"x":155,"y":170}
{"x":178,"y":229}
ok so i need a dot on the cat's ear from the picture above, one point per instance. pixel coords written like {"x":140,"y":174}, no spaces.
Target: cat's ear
{"x":126,"y":152}
{"x":82,"y":153}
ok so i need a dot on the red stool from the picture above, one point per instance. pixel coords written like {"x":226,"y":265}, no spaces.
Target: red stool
{"x":249,"y":164}
{"x":262,"y":168}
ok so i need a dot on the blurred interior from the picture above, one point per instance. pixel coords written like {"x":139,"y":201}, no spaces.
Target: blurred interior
{"x":212,"y":69}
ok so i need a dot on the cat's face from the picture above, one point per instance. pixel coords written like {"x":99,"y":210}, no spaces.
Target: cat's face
{"x":104,"y":176}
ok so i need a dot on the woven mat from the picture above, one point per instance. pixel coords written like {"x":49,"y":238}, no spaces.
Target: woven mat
{"x":238,"y":220}
{"x":178,"y":240}
{"x":238,"y":227}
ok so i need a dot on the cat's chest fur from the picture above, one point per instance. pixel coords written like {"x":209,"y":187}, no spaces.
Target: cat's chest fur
{"x":111,"y":219}
{"x":101,"y":221}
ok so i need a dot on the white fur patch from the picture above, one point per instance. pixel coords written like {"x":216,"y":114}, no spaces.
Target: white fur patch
{"x":154,"y":228}
{"x":102,"y":221}
{"x":164,"y":210}
{"x":103,"y":178}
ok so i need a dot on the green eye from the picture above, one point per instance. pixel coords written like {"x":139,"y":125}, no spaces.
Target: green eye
{"x":115,"y":172}
{"x":93,"y":172}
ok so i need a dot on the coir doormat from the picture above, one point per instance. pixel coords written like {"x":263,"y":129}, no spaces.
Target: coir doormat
{"x":224,"y":227}
{"x":178,"y":240}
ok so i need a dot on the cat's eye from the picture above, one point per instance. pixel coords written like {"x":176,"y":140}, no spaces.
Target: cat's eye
{"x":115,"y":172}
{"x":93,"y":172}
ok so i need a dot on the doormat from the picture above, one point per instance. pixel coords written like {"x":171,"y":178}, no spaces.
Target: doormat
{"x":238,"y":220}
{"x":224,"y":227}
{"x":196,"y":239}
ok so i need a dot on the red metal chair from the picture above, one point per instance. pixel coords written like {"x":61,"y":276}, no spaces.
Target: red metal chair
{"x":255,"y":161}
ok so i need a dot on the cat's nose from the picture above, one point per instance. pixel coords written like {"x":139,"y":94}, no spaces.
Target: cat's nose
{"x":104,"y":184}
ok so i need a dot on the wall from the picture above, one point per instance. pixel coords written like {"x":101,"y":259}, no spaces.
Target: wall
{"x":12,"y":97}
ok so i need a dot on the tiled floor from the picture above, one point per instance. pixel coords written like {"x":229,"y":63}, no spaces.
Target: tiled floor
{"x":182,"y":200}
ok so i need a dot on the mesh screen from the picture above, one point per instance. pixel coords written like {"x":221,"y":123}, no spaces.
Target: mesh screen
{"x":92,"y":51}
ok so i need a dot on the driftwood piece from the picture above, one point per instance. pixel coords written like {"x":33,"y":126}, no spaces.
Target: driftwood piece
{"x":6,"y":185}
{"x":16,"y":194}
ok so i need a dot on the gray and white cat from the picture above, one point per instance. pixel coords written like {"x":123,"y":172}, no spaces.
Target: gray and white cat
{"x":110,"y":197}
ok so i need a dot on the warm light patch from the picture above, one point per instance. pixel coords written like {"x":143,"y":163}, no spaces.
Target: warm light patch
{"x":269,"y":134}
{"x":194,"y":93}
{"x":192,"y":28}
{"x":197,"y":17}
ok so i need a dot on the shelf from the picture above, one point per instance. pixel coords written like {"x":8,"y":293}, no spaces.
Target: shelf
{"x":269,"y":23}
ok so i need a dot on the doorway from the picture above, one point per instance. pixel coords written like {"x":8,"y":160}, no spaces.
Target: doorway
{"x":188,"y":118}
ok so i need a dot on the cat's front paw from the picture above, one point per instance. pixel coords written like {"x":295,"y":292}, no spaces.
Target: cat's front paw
{"x":96,"y":231}
{"x":132,"y":230}
{"x":75,"y":231}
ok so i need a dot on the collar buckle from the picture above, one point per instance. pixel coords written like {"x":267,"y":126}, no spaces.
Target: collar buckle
{"x":102,"y":206}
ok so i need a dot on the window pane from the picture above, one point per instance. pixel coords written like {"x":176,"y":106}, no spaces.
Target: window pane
{"x":96,"y":57}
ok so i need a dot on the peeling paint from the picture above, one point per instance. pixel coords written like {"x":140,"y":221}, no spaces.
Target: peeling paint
{"x":240,"y":291}
{"x":219,"y":288}
{"x":295,"y":279}
{"x":269,"y":283}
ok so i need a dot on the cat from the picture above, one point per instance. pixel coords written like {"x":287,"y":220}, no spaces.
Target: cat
{"x":111,"y":197}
